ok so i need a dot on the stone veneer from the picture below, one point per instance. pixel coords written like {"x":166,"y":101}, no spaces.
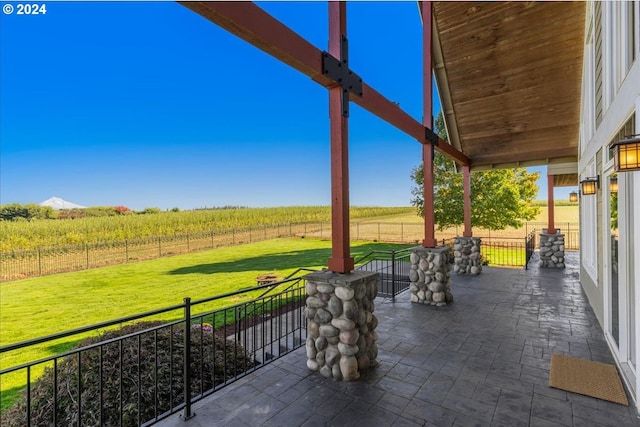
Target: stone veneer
{"x":551,"y":249}
{"x":430,"y":276}
{"x":467,"y":257}
{"x":341,"y":340}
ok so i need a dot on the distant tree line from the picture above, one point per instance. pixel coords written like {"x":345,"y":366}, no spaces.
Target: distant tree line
{"x":16,"y":212}
{"x":31,"y":211}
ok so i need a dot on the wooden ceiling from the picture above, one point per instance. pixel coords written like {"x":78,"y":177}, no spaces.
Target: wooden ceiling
{"x":509,"y":76}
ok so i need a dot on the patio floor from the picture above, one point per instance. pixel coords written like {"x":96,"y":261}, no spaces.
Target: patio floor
{"x":481,"y":361}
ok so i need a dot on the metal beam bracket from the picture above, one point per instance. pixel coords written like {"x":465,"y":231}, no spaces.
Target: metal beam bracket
{"x":339,"y":72}
{"x":431,"y":136}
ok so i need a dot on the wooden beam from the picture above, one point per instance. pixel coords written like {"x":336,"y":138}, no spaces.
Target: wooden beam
{"x":551,"y":228}
{"x":427,"y":120}
{"x":340,"y":261}
{"x":466,"y":183}
{"x":252,"y":24}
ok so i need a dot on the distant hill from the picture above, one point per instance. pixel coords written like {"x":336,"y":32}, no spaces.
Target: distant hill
{"x":58,"y":203}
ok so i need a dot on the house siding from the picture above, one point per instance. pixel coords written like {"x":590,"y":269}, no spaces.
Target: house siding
{"x":614,"y":94}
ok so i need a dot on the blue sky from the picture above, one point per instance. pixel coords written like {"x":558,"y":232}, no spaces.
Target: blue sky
{"x":150,"y":105}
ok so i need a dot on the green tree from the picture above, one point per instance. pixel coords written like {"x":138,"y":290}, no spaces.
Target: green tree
{"x":17,"y":211}
{"x":499,"y":198}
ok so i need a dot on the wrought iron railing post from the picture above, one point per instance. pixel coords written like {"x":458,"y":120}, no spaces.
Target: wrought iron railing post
{"x":393,"y":276}
{"x":187,"y":360}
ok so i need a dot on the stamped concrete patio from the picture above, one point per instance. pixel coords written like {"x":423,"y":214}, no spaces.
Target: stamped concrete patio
{"x":481,"y":361}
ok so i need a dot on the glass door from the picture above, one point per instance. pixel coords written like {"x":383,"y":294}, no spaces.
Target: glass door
{"x":611,"y":188}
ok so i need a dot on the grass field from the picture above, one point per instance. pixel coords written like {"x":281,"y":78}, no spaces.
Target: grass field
{"x":41,"y":306}
{"x":561,"y":213}
{"x":413,"y":231}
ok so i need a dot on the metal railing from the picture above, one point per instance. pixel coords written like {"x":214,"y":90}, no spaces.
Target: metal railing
{"x":504,"y":251}
{"x":530,"y":247}
{"x":571,"y":231}
{"x":147,"y":371}
{"x":392,"y":268}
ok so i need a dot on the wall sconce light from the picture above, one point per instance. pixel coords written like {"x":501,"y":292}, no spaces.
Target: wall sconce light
{"x":589,"y":186}
{"x":613,"y":184}
{"x":573,"y":197}
{"x":626,"y":154}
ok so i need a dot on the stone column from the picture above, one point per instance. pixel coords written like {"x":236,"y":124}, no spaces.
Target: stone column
{"x":430,"y":276}
{"x":551,"y":249}
{"x":467,"y":257}
{"x":341,"y":340}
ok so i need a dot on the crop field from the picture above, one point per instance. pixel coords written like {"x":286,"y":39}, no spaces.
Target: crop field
{"x":26,"y":235}
{"x":409,"y":227}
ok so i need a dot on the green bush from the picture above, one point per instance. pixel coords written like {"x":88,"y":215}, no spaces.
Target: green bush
{"x":214,"y":359}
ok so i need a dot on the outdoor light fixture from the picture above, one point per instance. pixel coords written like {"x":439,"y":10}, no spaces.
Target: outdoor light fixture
{"x":573,"y":197}
{"x":613,"y":184}
{"x":626,"y":154}
{"x":589,"y":186}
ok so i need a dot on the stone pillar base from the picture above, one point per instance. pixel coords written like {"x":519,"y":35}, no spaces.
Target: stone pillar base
{"x":430,"y":276}
{"x":551,"y":249}
{"x":341,"y":340}
{"x":467,"y":257}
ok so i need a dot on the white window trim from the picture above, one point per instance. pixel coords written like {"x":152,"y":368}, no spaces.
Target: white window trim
{"x":589,"y":224}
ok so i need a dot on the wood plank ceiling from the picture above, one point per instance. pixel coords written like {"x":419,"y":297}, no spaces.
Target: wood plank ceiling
{"x":509,"y":76}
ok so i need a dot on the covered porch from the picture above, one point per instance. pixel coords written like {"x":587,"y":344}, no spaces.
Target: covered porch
{"x":483,"y":360}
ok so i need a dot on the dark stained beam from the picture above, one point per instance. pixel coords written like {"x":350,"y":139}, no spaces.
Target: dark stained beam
{"x":252,"y":24}
{"x":551,"y":228}
{"x":468,"y":231}
{"x":427,"y":120}
{"x":340,"y":261}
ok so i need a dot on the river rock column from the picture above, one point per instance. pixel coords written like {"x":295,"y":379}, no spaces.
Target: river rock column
{"x":341,"y":341}
{"x":551,"y":249}
{"x":430,"y":276}
{"x":467,"y":257}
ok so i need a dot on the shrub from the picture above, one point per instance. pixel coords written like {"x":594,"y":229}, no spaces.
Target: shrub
{"x":214,"y":360}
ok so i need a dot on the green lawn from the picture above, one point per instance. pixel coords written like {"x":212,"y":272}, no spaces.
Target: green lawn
{"x":40,"y":306}
{"x":504,"y":257}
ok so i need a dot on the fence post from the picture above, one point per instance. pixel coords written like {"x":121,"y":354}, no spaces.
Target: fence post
{"x":212,"y":245}
{"x":159,"y":247}
{"x":402,"y":231}
{"x":126,"y":250}
{"x":187,"y":360}
{"x":250,"y":235}
{"x":86,"y":248}
{"x":265,"y":232}
{"x":39,"y":263}
{"x":393,"y":276}
{"x":188,"y":249}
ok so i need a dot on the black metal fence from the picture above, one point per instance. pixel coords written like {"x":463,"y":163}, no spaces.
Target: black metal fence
{"x":39,"y":262}
{"x":571,"y":231}
{"x":146,"y":371}
{"x":392,"y":268}
{"x":530,"y":247}
{"x":504,"y":251}
{"x":44,"y":261}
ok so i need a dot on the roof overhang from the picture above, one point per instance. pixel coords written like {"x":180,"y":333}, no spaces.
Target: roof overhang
{"x":509,"y":76}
